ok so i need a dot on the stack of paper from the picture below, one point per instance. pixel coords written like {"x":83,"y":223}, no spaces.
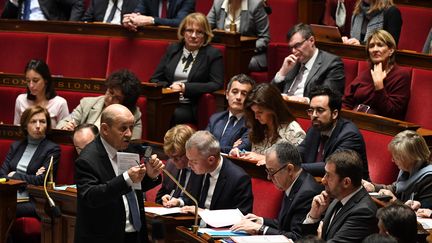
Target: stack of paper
{"x":221,"y":218}
{"x":162,"y":210}
{"x":261,"y":239}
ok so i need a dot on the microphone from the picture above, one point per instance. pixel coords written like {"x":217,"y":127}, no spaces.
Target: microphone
{"x":195,"y":227}
{"x":55,"y":211}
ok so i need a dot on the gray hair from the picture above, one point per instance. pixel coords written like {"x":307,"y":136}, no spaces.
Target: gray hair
{"x":286,"y":153}
{"x":206,"y":144}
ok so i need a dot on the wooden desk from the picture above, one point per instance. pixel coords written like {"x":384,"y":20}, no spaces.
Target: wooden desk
{"x":190,"y":237}
{"x":8,"y":202}
{"x":62,"y":229}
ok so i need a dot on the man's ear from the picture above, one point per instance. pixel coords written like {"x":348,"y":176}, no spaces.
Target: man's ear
{"x":104,"y":128}
{"x":335,"y":114}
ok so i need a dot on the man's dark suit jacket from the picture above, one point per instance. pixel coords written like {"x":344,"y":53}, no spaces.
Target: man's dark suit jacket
{"x":97,"y":9}
{"x":41,"y":157}
{"x":177,"y":11}
{"x":354,"y":221}
{"x":216,"y":126}
{"x":100,"y":209}
{"x":294,"y":208}
{"x":233,"y":189}
{"x":52,"y":9}
{"x":327,"y":69}
{"x":206,"y":75}
{"x":193,"y":186}
{"x":345,"y":136}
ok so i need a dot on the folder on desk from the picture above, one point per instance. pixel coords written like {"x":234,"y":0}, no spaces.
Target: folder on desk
{"x":261,"y":239}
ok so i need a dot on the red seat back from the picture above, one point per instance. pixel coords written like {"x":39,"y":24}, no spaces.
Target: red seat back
{"x":203,"y":6}
{"x":78,"y":56}
{"x":418,"y":110}
{"x":8,"y":96}
{"x":275,"y":56}
{"x":417,"y":22}
{"x":284,"y":16}
{"x":66,"y":167}
{"x":351,"y":67}
{"x":267,"y":198}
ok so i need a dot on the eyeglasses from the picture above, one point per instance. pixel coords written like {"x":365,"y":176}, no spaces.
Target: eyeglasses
{"x":318,"y":111}
{"x":272,"y":174}
{"x":198,"y":33}
{"x":297,"y":45}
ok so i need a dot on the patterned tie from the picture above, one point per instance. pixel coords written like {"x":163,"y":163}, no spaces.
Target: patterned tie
{"x":164,"y":12}
{"x":112,"y":13}
{"x":204,"y":191}
{"x":228,"y":130}
{"x":26,"y":14}
{"x":297,"y":81}
{"x":134,"y":214}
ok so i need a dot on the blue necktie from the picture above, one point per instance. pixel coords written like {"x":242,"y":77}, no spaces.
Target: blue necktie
{"x":26,"y":14}
{"x":133,"y":210}
{"x":227,"y":133}
{"x":112,"y":12}
{"x":204,"y":191}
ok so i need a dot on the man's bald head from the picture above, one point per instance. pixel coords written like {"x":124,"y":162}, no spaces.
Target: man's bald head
{"x":117,"y":123}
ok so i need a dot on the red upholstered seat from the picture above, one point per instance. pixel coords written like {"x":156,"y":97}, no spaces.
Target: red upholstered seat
{"x":26,"y":229}
{"x":4,"y":148}
{"x":77,"y":56}
{"x":275,"y":57}
{"x":66,"y":167}
{"x":8,"y":96}
{"x":18,"y":48}
{"x":381,"y":168}
{"x":420,"y":102}
{"x":351,"y":67}
{"x":260,"y":77}
{"x":417,"y":22}
{"x":283,"y":17}
{"x":304,"y":123}
{"x":267,"y":198}
{"x":206,"y":108}
{"x":138,"y":55}
{"x":142,"y":105}
{"x":151,"y":194}
{"x":203,"y":6}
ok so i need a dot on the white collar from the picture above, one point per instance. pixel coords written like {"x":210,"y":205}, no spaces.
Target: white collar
{"x":216,"y":171}
{"x":111,"y":151}
{"x":243,"y":7}
{"x":347,"y":198}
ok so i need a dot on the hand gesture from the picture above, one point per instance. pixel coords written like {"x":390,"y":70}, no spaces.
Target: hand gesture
{"x":69,"y":126}
{"x":388,"y":193}
{"x":288,"y":64}
{"x":368,"y":186}
{"x":378,"y":76}
{"x":424,"y":213}
{"x":40,"y":171}
{"x":137,"y":173}
{"x":319,"y":205}
{"x":246,"y":225}
{"x":169,"y":201}
{"x":413,"y":204}
{"x":154,"y":166}
{"x":189,"y":209}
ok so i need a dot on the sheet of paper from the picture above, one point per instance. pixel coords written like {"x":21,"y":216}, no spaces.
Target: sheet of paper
{"x":425,"y":222}
{"x":221,"y":218}
{"x":125,"y":161}
{"x":221,"y":232}
{"x":261,"y":239}
{"x":64,"y":187}
{"x":162,"y":210}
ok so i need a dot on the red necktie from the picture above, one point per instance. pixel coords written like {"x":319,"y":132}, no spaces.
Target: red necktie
{"x":164,"y":9}
{"x":320,"y":153}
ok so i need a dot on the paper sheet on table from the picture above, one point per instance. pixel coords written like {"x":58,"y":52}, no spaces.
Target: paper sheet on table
{"x":125,"y":161}
{"x":162,"y":210}
{"x":261,"y":239}
{"x":221,"y":218}
{"x":64,"y":187}
{"x":221,"y":233}
{"x":425,"y":222}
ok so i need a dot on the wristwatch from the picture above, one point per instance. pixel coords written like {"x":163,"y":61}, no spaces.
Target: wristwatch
{"x":261,"y":230}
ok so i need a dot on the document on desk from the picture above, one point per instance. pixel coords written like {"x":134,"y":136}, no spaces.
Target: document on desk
{"x":221,"y":233}
{"x":125,"y":161}
{"x":261,"y":239}
{"x":162,"y":210}
{"x":425,"y":222}
{"x":221,"y":218}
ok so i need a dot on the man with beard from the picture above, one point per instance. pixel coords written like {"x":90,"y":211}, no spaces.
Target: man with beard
{"x":349,"y":210}
{"x":329,"y":133}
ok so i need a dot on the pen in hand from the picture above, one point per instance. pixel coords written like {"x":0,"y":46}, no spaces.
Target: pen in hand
{"x":171,"y":195}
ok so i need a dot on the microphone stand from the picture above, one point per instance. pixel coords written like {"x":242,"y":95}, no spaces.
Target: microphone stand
{"x":195,"y":227}
{"x":51,"y":184}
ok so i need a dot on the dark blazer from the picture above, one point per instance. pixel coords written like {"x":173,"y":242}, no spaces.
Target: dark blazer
{"x":97,"y":9}
{"x":233,"y":189}
{"x":354,"y":221}
{"x":41,"y":157}
{"x":327,"y":69}
{"x":216,"y":126}
{"x":100,"y":208}
{"x":206,"y":75}
{"x":177,"y":11}
{"x":193,"y":186}
{"x":294,"y":208}
{"x":52,"y":9}
{"x":345,"y":136}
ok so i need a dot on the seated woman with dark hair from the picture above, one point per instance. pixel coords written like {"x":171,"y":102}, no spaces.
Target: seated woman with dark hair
{"x":40,"y":91}
{"x":399,"y":221}
{"x":269,"y":121}
{"x":28,"y":160}
{"x":250,"y":19}
{"x":411,"y":154}
{"x":191,"y":66}
{"x":371,"y":15}
{"x":384,"y":88}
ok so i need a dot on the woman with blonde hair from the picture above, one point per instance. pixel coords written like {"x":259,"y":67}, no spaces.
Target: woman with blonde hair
{"x":191,"y":66}
{"x":411,"y":154}
{"x":371,"y":15}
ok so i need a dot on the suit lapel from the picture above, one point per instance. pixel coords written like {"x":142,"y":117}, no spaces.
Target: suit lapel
{"x":221,"y":19}
{"x":288,"y":203}
{"x":199,"y":59}
{"x":244,"y":21}
{"x":175,"y":59}
{"x":220,"y":125}
{"x":220,"y":184}
{"x":290,"y":77}
{"x":104,"y":161}
{"x":330,"y":142}
{"x":315,"y":67}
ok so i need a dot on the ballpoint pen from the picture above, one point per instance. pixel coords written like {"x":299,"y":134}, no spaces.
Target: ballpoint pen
{"x":171,"y":195}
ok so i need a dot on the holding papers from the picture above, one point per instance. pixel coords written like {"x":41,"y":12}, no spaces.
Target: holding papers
{"x":125,"y":161}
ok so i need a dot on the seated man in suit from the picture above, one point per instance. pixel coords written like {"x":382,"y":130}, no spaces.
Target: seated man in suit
{"x":123,"y":87}
{"x":109,"y":11}
{"x":329,"y":133}
{"x":110,"y":205}
{"x":83,"y":135}
{"x":349,"y":210}
{"x":283,"y":167}
{"x":229,"y":126}
{"x":226,"y":185}
{"x":158,"y":12}
{"x":307,"y":67}
{"x":43,"y":10}
{"x":170,"y":195}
